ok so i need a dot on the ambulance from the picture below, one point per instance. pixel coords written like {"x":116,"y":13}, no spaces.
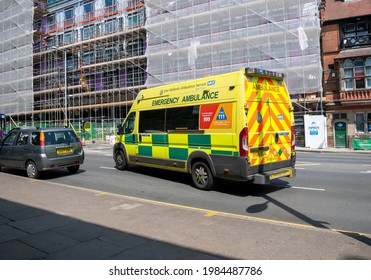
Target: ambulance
{"x":235,"y":126}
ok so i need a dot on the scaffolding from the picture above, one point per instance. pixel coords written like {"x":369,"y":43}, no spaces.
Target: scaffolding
{"x":16,"y":17}
{"x":209,"y":37}
{"x":90,"y":63}
{"x":85,"y":61}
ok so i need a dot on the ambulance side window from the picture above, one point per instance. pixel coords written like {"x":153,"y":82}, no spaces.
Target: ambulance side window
{"x":129,"y":124}
{"x":152,"y":121}
{"x":183,"y":118}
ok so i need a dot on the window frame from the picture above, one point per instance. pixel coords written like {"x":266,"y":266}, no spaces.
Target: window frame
{"x":360,"y":123}
{"x":164,"y":121}
{"x":356,"y":73}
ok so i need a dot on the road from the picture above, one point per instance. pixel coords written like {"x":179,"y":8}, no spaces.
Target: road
{"x":330,"y":190}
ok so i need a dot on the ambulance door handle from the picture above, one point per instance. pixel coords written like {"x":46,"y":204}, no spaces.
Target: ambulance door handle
{"x":140,"y":138}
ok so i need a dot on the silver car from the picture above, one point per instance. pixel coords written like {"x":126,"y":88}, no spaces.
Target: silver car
{"x":39,"y":149}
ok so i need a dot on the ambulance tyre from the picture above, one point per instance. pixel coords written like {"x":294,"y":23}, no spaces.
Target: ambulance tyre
{"x":120,"y":160}
{"x":201,"y":176}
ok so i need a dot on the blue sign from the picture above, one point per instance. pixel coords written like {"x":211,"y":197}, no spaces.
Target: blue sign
{"x":221,"y":115}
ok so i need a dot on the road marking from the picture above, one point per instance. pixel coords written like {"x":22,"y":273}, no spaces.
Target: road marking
{"x":307,"y":164}
{"x":105,"y":167}
{"x":299,"y":188}
{"x":101,"y":193}
{"x":367,"y":172}
{"x":126,"y":206}
{"x":210,"y":214}
{"x":310,"y":189}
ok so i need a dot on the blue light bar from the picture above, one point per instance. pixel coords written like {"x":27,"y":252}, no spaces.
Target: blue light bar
{"x":263,"y":72}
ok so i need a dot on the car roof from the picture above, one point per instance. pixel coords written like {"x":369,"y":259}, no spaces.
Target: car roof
{"x":32,"y":128}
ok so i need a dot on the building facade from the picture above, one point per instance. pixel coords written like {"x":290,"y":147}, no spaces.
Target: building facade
{"x":346,"y":47}
{"x":90,"y":58}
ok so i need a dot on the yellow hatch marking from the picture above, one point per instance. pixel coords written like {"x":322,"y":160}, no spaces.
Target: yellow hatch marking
{"x":210,"y":213}
{"x":101,"y":193}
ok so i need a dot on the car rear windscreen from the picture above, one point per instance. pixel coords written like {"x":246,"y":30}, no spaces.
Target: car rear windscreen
{"x":55,"y":137}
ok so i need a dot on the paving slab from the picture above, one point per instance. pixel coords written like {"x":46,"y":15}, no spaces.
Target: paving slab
{"x":41,"y":223}
{"x":16,"y":250}
{"x":48,"y":241}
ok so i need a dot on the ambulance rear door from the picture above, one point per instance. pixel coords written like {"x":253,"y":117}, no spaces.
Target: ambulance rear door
{"x":259,"y":124}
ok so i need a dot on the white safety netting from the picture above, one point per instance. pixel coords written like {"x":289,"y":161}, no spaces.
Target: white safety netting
{"x":195,"y":38}
{"x":16,"y":38}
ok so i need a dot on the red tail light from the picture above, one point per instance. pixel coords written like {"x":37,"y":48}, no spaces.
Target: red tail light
{"x":42,"y":139}
{"x":244,"y":147}
{"x":293,"y":138}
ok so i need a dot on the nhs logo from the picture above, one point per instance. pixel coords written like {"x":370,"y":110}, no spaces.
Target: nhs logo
{"x":211,"y":83}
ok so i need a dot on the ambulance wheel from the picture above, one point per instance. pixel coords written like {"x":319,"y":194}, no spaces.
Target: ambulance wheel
{"x":120,"y":160}
{"x":201,"y":176}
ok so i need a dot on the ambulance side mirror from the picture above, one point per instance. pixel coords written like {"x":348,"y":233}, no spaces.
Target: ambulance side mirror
{"x":120,"y":129}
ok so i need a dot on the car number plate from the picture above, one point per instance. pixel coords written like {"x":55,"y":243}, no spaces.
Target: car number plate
{"x":63,"y":151}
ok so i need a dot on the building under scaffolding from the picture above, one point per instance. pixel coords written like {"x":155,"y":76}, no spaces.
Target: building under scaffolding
{"x":91,"y":58}
{"x":16,"y":20}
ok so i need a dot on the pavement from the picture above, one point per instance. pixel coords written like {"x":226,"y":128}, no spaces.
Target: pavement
{"x":43,"y":220}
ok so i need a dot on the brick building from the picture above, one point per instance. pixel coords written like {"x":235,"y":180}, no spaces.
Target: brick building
{"x":346,"y":54}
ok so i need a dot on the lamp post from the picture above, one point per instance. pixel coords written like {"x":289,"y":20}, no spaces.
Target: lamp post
{"x":65,"y":122}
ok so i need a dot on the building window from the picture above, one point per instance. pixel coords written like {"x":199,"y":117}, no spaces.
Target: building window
{"x":340,"y":116}
{"x":88,"y":11}
{"x":69,"y":18}
{"x":369,"y":122}
{"x":135,"y":20}
{"x":51,"y":23}
{"x":68,"y":38}
{"x":360,"y":122}
{"x":88,"y":32}
{"x":357,"y":73}
{"x":109,"y":27}
{"x":110,"y":6}
{"x":88,"y":58}
{"x":368,"y":72}
{"x":135,"y":76}
{"x":356,"y":33}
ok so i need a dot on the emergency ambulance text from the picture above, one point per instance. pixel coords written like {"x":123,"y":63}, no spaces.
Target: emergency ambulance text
{"x":187,"y":98}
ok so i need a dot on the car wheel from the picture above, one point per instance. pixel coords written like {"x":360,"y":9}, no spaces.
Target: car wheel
{"x":73,"y":169}
{"x":32,"y":171}
{"x":201,"y":176}
{"x":120,"y":160}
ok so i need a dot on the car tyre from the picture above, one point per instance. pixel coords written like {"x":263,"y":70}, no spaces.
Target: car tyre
{"x":32,"y":171}
{"x":201,"y":176}
{"x":120,"y":160}
{"x":73,"y":169}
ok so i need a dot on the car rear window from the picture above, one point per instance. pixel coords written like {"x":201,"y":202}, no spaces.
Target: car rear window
{"x":55,"y":137}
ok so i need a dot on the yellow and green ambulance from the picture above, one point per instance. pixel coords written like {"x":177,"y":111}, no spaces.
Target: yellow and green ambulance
{"x":236,"y":126}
